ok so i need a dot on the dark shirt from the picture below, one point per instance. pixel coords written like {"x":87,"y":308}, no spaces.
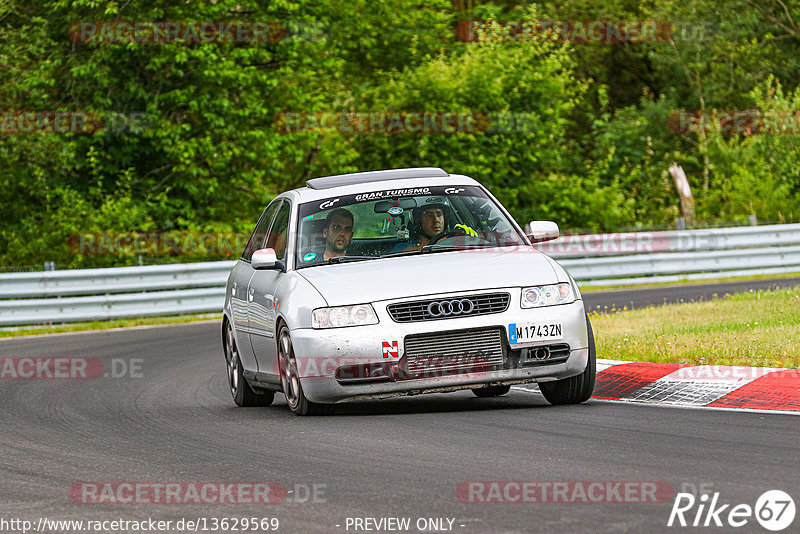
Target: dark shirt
{"x":400,"y":247}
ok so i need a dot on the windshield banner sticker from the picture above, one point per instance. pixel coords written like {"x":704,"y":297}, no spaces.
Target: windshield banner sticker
{"x":393,"y":193}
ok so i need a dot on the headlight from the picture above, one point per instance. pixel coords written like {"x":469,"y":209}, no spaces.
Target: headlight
{"x":534,"y":297}
{"x":358,"y":315}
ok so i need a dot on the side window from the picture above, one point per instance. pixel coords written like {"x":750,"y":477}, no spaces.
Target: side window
{"x":260,"y":233}
{"x":279,"y":232}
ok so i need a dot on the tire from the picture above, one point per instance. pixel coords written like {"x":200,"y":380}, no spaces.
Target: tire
{"x":491,"y":391}
{"x":243,"y":395}
{"x":290,"y":381}
{"x":575,"y":389}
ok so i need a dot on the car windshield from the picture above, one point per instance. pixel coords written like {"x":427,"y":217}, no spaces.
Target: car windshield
{"x":400,"y":222}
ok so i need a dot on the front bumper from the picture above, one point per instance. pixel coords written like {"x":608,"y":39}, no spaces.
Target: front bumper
{"x":320,"y":353}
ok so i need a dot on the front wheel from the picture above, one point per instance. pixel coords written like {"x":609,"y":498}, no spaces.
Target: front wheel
{"x":575,"y":389}
{"x":290,"y":379}
{"x":243,"y":395}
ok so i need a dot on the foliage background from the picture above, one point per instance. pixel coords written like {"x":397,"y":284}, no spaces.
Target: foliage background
{"x":594,"y":156}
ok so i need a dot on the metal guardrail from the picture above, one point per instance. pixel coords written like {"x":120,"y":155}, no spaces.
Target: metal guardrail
{"x":649,"y":265}
{"x":580,"y":246}
{"x":604,"y":259}
{"x":117,"y":280}
{"x":635,"y":258}
{"x":117,"y":306}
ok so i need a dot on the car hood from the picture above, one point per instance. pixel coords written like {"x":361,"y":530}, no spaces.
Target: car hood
{"x":427,"y":274}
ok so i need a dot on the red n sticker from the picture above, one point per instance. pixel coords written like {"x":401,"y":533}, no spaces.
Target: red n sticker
{"x":390,"y":349}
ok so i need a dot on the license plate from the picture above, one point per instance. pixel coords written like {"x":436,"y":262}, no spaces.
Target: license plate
{"x":526,"y":332}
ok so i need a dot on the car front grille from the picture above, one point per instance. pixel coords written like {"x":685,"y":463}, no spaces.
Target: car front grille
{"x":449,"y":307}
{"x":453,"y":353}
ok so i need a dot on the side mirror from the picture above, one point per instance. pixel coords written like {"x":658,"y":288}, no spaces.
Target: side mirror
{"x":543,"y":231}
{"x":264,"y":258}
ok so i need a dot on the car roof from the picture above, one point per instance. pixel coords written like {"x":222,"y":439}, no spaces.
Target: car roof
{"x":364,"y":182}
{"x":328,"y":182}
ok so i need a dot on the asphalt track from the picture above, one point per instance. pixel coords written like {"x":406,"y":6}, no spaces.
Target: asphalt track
{"x":393,"y":458}
{"x":657,"y":296}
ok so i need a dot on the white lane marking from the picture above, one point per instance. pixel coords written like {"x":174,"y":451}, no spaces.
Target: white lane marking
{"x":603,"y":364}
{"x":524,"y":389}
{"x":690,"y":407}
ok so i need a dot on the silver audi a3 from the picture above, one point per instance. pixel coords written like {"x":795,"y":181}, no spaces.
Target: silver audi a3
{"x":400,"y":282}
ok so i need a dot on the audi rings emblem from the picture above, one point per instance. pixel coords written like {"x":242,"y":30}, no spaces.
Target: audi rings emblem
{"x":447,"y":308}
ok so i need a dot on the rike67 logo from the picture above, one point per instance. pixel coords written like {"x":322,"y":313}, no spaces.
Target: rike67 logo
{"x":774,"y":510}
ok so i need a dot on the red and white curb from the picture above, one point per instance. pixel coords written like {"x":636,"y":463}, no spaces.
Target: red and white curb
{"x":759,"y":389}
{"x":713,"y":386}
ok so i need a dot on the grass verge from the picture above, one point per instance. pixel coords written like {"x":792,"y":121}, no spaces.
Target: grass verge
{"x":102,"y":325}
{"x":758,"y":329}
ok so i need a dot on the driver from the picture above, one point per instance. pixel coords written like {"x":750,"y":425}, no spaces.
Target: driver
{"x":431,"y":220}
{"x":431,"y":223}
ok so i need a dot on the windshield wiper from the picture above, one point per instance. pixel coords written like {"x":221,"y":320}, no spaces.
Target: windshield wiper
{"x":340,"y":259}
{"x":448,"y":248}
{"x":443,"y":248}
{"x":433,"y":248}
